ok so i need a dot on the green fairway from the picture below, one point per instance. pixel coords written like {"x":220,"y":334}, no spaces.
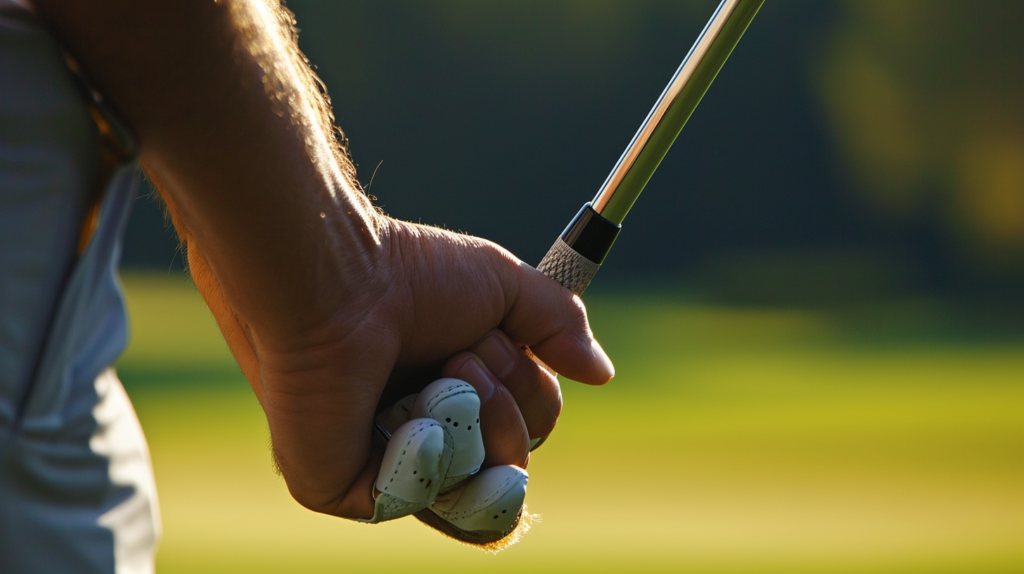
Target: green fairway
{"x":731,"y":440}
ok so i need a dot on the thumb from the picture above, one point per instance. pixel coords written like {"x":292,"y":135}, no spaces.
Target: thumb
{"x":552,"y":321}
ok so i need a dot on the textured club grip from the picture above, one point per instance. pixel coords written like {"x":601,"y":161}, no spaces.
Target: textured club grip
{"x":563,"y":264}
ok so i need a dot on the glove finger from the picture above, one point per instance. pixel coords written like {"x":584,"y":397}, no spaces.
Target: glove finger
{"x":487,"y":510}
{"x":455,"y":405}
{"x":412,"y":470}
{"x":505,"y":437}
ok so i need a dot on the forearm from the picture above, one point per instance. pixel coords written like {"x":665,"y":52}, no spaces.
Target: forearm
{"x":234,"y":131}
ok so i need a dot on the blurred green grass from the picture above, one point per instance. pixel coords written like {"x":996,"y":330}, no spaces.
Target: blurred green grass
{"x":882,"y":439}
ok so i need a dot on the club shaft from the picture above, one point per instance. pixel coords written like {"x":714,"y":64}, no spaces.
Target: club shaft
{"x":670,"y":113}
{"x":579,"y":251}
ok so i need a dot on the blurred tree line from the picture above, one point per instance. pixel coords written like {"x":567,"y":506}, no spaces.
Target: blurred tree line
{"x":848,"y":150}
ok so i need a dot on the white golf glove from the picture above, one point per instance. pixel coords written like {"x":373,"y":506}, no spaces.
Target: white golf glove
{"x":431,"y":468}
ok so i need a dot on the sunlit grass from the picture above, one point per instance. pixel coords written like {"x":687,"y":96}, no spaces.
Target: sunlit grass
{"x":731,"y":440}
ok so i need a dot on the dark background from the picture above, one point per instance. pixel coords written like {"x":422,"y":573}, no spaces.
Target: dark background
{"x":501,"y":119}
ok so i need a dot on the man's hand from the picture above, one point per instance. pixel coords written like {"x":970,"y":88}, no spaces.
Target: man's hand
{"x":435,"y":296}
{"x":329,"y":307}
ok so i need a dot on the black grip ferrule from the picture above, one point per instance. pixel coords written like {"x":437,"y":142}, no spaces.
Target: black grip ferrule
{"x":591,"y":235}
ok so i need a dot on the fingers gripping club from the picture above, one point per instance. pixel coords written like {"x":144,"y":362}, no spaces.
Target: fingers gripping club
{"x":431,"y":467}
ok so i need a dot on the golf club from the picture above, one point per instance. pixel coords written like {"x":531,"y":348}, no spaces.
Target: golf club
{"x":581,"y":249}
{"x":578,"y":253}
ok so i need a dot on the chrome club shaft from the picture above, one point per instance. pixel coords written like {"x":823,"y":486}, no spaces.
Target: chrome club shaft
{"x":578,"y":253}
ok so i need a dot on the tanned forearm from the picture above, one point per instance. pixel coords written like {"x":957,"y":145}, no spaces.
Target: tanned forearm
{"x":238,"y":138}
